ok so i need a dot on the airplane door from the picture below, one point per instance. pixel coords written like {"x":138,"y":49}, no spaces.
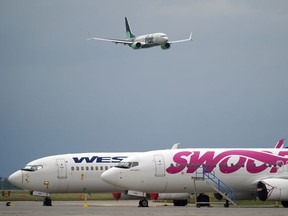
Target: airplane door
{"x":62,"y":169}
{"x":159,"y":166}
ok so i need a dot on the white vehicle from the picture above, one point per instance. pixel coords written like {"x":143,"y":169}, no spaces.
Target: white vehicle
{"x":79,"y":173}
{"x":143,"y":41}
{"x":234,"y":174}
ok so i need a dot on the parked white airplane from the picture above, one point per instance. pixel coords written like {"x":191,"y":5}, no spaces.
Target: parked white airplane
{"x":143,"y":41}
{"x":78,"y":173}
{"x":234,"y":174}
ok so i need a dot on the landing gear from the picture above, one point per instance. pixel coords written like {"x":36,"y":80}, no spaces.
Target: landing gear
{"x":9,"y":203}
{"x":284,"y":204}
{"x":180,"y":202}
{"x":202,"y":200}
{"x":47,"y":201}
{"x":143,"y":203}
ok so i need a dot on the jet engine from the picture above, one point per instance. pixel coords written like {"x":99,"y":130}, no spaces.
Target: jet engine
{"x":136,"y":45}
{"x":165,"y":46}
{"x":273,"y":189}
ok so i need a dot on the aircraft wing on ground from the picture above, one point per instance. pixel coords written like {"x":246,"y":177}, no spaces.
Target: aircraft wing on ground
{"x":178,"y":41}
{"x":116,"y":41}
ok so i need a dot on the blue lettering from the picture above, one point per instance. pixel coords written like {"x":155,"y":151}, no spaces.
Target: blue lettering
{"x":103,"y":160}
{"x":96,"y":159}
{"x":87,"y":159}
{"x":118,"y":159}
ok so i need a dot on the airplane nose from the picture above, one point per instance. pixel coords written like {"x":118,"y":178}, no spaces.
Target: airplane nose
{"x":110,"y":176}
{"x":16,"y":178}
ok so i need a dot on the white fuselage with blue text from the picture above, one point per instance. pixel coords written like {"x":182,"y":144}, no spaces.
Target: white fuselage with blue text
{"x":68,"y":173}
{"x":76,"y":173}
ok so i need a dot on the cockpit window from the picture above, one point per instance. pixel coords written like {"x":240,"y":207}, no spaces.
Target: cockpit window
{"x":127,"y":165}
{"x":32,"y":168}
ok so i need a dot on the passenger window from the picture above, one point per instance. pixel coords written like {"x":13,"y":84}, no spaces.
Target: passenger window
{"x":96,"y":168}
{"x":92,"y":168}
{"x":82,"y":168}
{"x":72,"y":168}
{"x":77,"y":168}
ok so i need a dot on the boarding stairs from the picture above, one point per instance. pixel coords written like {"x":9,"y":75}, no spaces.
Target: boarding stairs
{"x":213,"y":181}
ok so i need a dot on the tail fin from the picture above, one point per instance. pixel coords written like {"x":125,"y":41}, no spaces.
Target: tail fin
{"x":128,"y":31}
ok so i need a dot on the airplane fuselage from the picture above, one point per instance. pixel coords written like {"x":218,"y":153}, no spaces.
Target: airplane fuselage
{"x":79,"y":173}
{"x":150,"y":40}
{"x":182,"y":170}
{"x":68,"y":173}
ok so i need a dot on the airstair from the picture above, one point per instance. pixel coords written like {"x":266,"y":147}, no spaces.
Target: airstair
{"x":213,"y":181}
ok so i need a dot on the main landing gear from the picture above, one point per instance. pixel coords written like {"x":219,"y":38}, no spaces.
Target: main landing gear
{"x":143,"y":203}
{"x":204,"y":200}
{"x":47,"y":201}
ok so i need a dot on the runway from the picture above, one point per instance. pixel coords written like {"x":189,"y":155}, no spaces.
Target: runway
{"x":129,"y":208}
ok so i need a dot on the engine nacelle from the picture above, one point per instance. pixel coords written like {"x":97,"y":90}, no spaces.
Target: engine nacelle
{"x":136,"y":45}
{"x":165,"y":46}
{"x":273,"y":189}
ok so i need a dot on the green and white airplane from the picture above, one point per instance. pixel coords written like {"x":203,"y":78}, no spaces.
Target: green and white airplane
{"x":143,"y":41}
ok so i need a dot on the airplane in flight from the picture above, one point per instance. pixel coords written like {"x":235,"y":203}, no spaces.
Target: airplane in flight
{"x":231,"y":173}
{"x":80,"y":173}
{"x":143,"y":41}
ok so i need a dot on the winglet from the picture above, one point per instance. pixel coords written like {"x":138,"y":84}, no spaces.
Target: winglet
{"x":90,"y":36}
{"x":190,"y":37}
{"x":279,"y":144}
{"x":175,"y":146}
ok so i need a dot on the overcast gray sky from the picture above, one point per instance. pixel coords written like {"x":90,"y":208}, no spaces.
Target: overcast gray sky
{"x":60,"y":93}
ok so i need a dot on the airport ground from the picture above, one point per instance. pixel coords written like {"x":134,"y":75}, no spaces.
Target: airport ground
{"x":104,"y":204}
{"x":23,"y":195}
{"x":129,"y":208}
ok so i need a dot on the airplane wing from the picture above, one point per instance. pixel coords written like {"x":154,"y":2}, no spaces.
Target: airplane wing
{"x":116,"y":41}
{"x":178,"y":41}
